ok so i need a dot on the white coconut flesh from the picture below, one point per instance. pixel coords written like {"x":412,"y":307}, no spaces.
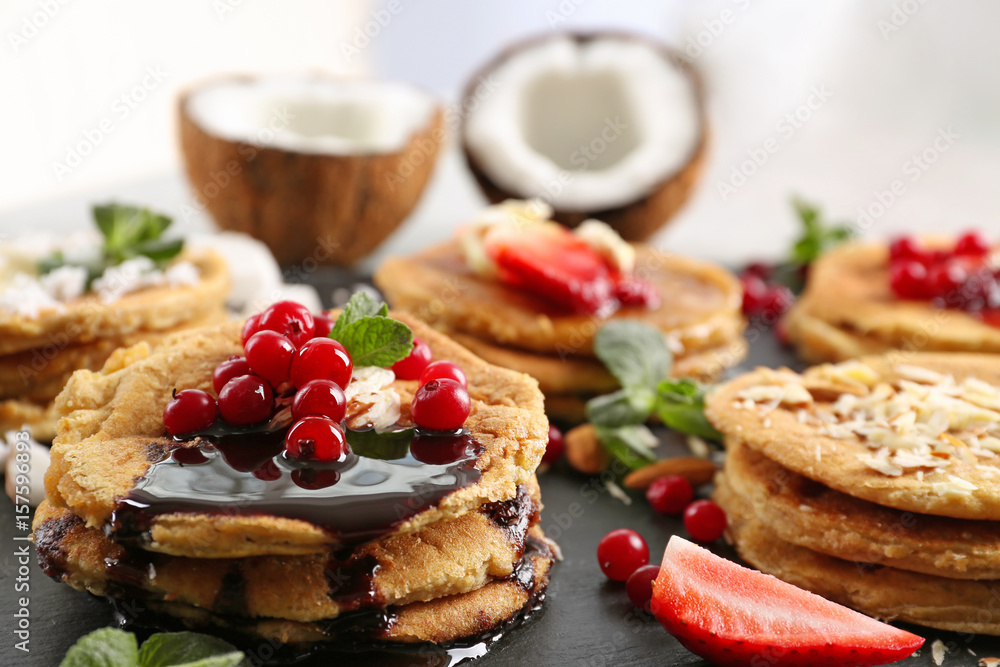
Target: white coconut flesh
{"x":584,"y":125}
{"x":312,"y":115}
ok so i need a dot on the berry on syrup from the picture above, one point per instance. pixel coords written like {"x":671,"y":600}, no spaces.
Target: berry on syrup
{"x":321,"y":398}
{"x":246,"y":400}
{"x":189,"y":411}
{"x":316,"y":439}
{"x":441,"y":405}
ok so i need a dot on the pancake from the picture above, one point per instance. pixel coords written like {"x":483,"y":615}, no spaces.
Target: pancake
{"x":112,"y":432}
{"x":88,"y":318}
{"x":890,"y":594}
{"x":817,"y":341}
{"x":445,"y":558}
{"x":935,"y":456}
{"x":700,"y":302}
{"x":848,"y":290}
{"x":808,"y":514}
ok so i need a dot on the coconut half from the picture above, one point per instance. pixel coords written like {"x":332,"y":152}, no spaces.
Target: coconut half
{"x":320,"y":169}
{"x":606,"y":125}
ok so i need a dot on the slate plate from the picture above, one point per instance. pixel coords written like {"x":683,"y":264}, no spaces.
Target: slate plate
{"x":586,"y":620}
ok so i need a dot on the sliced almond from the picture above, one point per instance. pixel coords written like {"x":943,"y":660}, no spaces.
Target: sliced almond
{"x":695,"y":470}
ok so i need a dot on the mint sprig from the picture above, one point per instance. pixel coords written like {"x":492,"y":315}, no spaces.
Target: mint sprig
{"x":371,"y":337}
{"x":637,"y":355}
{"x":111,"y":647}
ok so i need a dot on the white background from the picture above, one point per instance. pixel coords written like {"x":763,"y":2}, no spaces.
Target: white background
{"x":896,"y":73}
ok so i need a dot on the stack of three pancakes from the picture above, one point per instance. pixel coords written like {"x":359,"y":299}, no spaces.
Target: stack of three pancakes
{"x":462,"y":558}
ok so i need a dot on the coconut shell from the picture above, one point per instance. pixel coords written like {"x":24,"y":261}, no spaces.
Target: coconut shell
{"x":329,"y":209}
{"x":640,"y":219}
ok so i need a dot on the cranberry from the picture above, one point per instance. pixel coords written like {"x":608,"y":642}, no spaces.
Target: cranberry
{"x":440,"y":370}
{"x":440,"y":405}
{"x":908,"y":279}
{"x":754,"y":293}
{"x":250,"y":327}
{"x":759,"y":269}
{"x":323,"y":324}
{"x":907,"y":247}
{"x":269,"y":471}
{"x":314,"y":479}
{"x":322,"y":359}
{"x":289,"y":319}
{"x":269,"y":355}
{"x":232,"y":367}
{"x":670,"y":495}
{"x":945,"y":278}
{"x":316,"y":439}
{"x":322,"y":398}
{"x":621,"y":552}
{"x":554,"y":450}
{"x":639,"y":586}
{"x":412,"y":366}
{"x":776,"y":300}
{"x":705,"y":521}
{"x":439,"y":450}
{"x":972,"y":243}
{"x":246,"y":400}
{"x":189,"y":411}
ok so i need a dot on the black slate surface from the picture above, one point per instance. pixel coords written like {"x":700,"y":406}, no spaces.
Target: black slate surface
{"x":586,"y":620}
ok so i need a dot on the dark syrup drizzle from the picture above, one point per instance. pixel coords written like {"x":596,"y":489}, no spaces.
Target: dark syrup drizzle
{"x":387,"y":479}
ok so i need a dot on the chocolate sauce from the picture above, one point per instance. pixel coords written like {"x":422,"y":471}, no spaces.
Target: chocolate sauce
{"x":379,"y":485}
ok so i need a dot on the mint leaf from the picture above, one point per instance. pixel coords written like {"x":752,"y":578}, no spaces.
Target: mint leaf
{"x":361,"y":305}
{"x":680,"y":406}
{"x":107,"y":647}
{"x":388,"y":446}
{"x":629,"y":444}
{"x":634,"y":352}
{"x":818,"y":236}
{"x":621,"y":408}
{"x":376,"y":341}
{"x":188,"y":649}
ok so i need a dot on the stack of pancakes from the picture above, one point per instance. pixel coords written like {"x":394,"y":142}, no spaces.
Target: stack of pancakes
{"x":848,"y":310}
{"x":874,"y":483}
{"x":699,"y":314}
{"x":39,"y":354}
{"x":462,"y":567}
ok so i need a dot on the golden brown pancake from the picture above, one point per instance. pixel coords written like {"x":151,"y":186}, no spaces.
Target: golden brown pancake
{"x":112,"y":431}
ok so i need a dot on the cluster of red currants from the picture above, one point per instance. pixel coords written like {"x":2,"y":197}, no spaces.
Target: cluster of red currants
{"x":441,"y":402}
{"x":958,"y":278}
{"x":761,"y":296}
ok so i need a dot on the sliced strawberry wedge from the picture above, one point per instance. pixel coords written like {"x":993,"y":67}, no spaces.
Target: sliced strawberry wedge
{"x":555,"y":265}
{"x":736,"y":617}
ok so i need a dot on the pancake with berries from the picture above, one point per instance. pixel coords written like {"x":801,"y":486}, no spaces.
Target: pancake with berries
{"x":931,"y":295}
{"x":286,"y":437}
{"x":528,"y":294}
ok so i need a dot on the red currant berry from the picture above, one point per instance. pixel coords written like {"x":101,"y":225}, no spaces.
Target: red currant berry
{"x":246,"y":400}
{"x":754,"y":294}
{"x":322,"y":398}
{"x":316,"y":439}
{"x":907,"y":247}
{"x":322,"y":359}
{"x":946,"y":278}
{"x":621,"y":552}
{"x":554,"y":450}
{"x":269,"y":471}
{"x":290,"y":319}
{"x":412,"y":366}
{"x":972,"y":243}
{"x":670,"y":495}
{"x":441,"y":370}
{"x":250,"y":327}
{"x":705,"y":521}
{"x":323,"y":324}
{"x":314,"y":479}
{"x":232,"y":367}
{"x":759,"y":269}
{"x":440,"y":405}
{"x":189,"y":411}
{"x":908,"y":279}
{"x":269,"y":355}
{"x":777,"y":299}
{"x":639,"y":586}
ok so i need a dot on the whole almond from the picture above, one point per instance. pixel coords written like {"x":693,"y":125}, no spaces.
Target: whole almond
{"x":584,"y":451}
{"x":695,"y":470}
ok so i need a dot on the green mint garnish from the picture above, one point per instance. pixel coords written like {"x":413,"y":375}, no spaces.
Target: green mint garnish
{"x":818,"y":236}
{"x":111,"y":647}
{"x":371,"y":337}
{"x":388,"y":445}
{"x":634,"y":352}
{"x":681,"y":406}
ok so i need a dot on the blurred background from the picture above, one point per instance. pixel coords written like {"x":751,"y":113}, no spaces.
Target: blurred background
{"x":894,"y":90}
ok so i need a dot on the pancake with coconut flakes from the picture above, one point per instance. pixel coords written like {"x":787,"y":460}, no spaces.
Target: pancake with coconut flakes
{"x":849,"y":292}
{"x":917,"y":432}
{"x":445,"y":558}
{"x":699,"y":309}
{"x":890,"y":594}
{"x":808,"y":514}
{"x":112,"y":434}
{"x":89,"y":317}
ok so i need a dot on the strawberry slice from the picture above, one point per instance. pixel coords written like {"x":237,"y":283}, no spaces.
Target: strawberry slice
{"x":735,"y":617}
{"x":554,"y":264}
